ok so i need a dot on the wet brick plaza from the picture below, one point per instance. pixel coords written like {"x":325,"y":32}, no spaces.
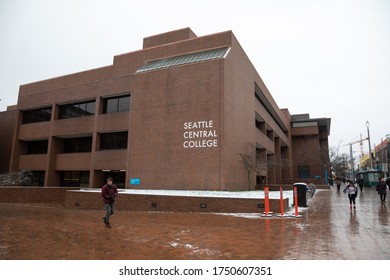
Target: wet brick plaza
{"x":327,"y":230}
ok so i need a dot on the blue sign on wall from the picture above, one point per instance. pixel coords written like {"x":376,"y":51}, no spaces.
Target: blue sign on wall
{"x":135,"y":181}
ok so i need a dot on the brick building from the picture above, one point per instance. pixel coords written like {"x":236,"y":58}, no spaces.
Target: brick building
{"x":176,"y":114}
{"x":7,"y":126}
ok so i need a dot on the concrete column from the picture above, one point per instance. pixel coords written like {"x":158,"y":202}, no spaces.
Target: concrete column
{"x":278,"y":160}
{"x":94,"y":178}
{"x":16,"y":144}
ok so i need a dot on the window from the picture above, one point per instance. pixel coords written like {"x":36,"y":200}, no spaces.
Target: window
{"x":116,"y":104}
{"x":78,"y":145}
{"x":77,"y":110}
{"x":259,"y":123}
{"x":119,"y":178}
{"x":75,"y":179}
{"x":304,"y":124}
{"x":112,"y":141}
{"x":304,"y":172}
{"x":37,"y":147}
{"x":38,"y":178}
{"x":37,"y":115}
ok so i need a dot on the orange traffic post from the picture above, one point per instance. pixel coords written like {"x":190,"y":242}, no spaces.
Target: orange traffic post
{"x":267,"y":213}
{"x":296,"y":202}
{"x":281,"y":203}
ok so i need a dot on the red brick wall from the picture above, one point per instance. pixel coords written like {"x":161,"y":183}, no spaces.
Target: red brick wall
{"x":132,"y":202}
{"x":32,"y":195}
{"x":90,"y":200}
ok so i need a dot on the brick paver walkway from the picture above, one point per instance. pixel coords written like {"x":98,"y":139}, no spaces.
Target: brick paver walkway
{"x":327,"y":230}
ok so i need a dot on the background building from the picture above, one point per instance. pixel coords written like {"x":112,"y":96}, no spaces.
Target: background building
{"x":382,"y":156}
{"x":7,"y":126}
{"x":175,"y":115}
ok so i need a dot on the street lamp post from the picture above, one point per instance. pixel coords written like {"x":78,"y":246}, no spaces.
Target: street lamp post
{"x":352,"y":163}
{"x":369,"y":142}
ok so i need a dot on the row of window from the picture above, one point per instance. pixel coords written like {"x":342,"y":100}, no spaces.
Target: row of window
{"x":78,"y":179}
{"x":108,"y":141}
{"x":75,"y":179}
{"x":79,"y":109}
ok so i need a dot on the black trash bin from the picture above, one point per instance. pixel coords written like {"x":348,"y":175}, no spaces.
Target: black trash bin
{"x":301,"y":193}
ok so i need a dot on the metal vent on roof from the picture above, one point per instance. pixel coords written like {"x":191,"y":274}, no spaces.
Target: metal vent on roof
{"x":184,"y":59}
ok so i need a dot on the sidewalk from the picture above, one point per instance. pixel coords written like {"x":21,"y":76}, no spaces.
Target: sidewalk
{"x":327,"y":230}
{"x":333,"y":231}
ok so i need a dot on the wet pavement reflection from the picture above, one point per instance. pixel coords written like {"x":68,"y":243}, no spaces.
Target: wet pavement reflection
{"x":327,"y":230}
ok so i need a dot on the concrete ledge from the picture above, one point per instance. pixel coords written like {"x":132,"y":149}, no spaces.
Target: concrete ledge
{"x":170,"y":203}
{"x":76,"y":199}
{"x":33,"y":194}
{"x":290,"y":187}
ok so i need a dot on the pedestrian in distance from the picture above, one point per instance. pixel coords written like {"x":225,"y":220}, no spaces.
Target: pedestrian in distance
{"x":338,"y":183}
{"x":388,"y":183}
{"x":352,"y":192}
{"x":109,"y":192}
{"x":381,"y":188}
{"x":360,"y":182}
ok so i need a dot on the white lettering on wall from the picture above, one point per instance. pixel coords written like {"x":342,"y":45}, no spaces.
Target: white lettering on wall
{"x":200,"y":134}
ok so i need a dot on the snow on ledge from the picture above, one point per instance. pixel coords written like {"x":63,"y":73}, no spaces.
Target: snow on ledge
{"x":201,"y":193}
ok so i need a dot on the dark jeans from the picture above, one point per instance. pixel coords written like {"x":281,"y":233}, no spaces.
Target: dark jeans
{"x":109,"y":212}
{"x":352,"y":198}
{"x":383,"y":197}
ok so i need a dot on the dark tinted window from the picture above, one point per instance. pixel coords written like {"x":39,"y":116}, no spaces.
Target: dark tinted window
{"x":37,"y":115}
{"x":110,"y":141}
{"x":119,"y":178}
{"x":116,"y":104}
{"x":38,"y":178}
{"x":37,"y":147}
{"x":78,"y":145}
{"x":75,"y":179}
{"x":304,"y":172}
{"x":77,"y":110}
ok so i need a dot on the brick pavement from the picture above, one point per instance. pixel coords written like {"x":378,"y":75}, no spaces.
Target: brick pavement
{"x":327,"y":230}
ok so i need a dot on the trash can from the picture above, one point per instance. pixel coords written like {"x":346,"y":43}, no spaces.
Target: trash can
{"x":301,"y":193}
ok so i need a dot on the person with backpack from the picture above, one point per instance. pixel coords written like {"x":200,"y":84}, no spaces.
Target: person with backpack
{"x":381,"y":188}
{"x":360,"y":182}
{"x":352,"y":192}
{"x":338,"y":183}
{"x":109,"y":192}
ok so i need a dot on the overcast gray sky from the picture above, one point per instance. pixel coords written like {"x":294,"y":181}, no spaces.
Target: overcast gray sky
{"x":327,"y":58}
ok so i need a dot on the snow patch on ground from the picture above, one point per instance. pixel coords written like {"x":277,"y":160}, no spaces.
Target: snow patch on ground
{"x":200,"y":193}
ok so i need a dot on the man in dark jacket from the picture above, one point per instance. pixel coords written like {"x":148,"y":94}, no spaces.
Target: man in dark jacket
{"x":381,"y":188}
{"x":360,"y":182}
{"x":109,"y":192}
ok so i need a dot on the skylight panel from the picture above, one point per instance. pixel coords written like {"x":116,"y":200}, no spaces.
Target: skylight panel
{"x":183,"y":59}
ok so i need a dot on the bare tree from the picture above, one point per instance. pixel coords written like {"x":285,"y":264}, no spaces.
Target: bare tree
{"x":20,"y":178}
{"x":262,"y":166}
{"x":250,"y":167}
{"x":338,"y":162}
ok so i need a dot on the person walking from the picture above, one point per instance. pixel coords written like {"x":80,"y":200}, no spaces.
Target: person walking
{"x":352,"y":192}
{"x":338,"y":183}
{"x":109,"y":192}
{"x":381,"y":188}
{"x":360,"y":182}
